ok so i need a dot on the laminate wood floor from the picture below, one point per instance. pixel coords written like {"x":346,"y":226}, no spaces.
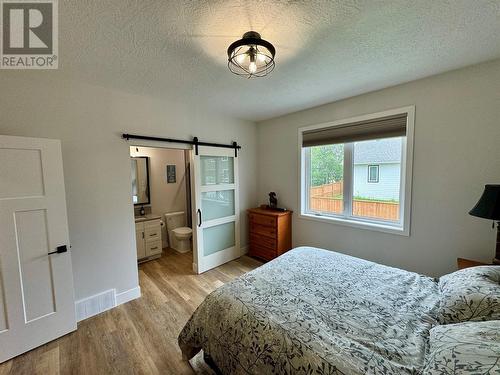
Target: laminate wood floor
{"x":139,"y":337}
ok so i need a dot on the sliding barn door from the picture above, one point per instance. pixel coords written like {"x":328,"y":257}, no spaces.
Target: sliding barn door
{"x":36,"y":287}
{"x":216,"y":208}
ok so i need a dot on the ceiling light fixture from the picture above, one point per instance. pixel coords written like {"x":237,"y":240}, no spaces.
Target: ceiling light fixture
{"x":251,"y":56}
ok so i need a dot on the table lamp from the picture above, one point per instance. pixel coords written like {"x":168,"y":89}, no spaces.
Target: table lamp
{"x":488,"y":207}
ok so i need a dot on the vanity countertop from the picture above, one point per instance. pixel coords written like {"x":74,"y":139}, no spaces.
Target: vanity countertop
{"x":139,"y":219}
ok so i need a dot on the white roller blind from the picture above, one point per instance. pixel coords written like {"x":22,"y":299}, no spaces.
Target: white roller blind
{"x":385,"y":127}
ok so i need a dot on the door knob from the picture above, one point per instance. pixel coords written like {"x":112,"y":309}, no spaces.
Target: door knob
{"x":59,"y":250}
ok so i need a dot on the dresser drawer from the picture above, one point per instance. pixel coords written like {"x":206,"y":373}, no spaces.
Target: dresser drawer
{"x":268,"y":242}
{"x":153,"y":248}
{"x":152,"y":233}
{"x":262,"y":252}
{"x":263,"y":230}
{"x":263,"y":220}
{"x":139,"y":226}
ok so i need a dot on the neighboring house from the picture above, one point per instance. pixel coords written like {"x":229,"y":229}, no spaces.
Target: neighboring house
{"x":377,"y":169}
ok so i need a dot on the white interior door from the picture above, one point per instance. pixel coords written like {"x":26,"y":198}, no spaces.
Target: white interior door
{"x":36,"y":289}
{"x":216,"y":221}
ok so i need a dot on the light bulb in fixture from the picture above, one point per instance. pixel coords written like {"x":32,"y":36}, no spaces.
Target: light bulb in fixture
{"x":261,"y":57}
{"x":252,"y":68}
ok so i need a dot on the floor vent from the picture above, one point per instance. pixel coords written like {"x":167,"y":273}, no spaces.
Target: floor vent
{"x":87,"y":307}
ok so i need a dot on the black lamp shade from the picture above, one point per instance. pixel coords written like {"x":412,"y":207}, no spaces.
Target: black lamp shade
{"x":488,"y":206}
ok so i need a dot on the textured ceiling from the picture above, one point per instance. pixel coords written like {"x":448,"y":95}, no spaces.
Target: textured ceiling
{"x":326,"y":50}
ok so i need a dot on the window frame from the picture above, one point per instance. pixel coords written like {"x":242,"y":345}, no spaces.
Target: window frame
{"x":377,"y":179}
{"x":401,"y":228}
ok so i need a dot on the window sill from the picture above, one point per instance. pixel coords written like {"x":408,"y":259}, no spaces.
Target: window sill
{"x":357,"y":224}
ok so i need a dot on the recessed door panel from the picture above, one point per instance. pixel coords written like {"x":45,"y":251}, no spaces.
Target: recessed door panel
{"x":26,"y":179}
{"x":34,"y":264}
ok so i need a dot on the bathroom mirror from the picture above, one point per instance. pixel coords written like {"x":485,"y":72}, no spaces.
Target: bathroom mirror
{"x":140,"y":180}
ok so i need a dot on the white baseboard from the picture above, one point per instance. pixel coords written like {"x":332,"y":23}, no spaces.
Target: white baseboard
{"x":98,"y":303}
{"x":128,"y":295}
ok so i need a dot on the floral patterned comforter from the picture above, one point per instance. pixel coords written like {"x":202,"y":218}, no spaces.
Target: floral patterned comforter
{"x":314,"y":311}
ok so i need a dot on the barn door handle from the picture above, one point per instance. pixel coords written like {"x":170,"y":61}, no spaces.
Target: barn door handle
{"x":199,"y":217}
{"x":59,"y":250}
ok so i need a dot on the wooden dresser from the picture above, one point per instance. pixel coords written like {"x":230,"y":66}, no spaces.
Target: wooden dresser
{"x":466,"y":263}
{"x":270,"y":232}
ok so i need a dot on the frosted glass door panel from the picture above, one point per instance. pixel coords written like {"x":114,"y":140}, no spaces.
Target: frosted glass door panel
{"x":216,"y":170}
{"x":218,"y":238}
{"x":217,"y":204}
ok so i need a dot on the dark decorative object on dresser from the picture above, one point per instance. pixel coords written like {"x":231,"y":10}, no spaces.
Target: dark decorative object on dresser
{"x":488,"y":207}
{"x":270,"y":232}
{"x":273,"y":201}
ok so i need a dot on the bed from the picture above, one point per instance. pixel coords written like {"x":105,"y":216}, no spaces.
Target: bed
{"x":314,"y":311}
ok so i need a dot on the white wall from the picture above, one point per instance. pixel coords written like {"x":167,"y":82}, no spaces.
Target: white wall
{"x":165,"y":197}
{"x":457,"y":142}
{"x":89,"y":121}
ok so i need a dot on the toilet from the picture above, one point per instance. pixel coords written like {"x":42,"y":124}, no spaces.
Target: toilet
{"x":179,"y":236}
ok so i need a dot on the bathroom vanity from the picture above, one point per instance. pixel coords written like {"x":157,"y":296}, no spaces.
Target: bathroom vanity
{"x":148,"y":237}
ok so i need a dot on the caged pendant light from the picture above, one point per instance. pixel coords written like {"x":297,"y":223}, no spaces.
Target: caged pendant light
{"x":251,"y":56}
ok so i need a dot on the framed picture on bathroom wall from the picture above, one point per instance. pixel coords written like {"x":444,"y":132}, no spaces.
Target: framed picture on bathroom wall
{"x":171,"y":177}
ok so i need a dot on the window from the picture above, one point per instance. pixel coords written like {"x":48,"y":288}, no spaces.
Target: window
{"x":373,"y":173}
{"x":357,"y":172}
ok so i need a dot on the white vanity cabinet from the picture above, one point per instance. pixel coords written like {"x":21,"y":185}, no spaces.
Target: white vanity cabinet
{"x":148,"y":237}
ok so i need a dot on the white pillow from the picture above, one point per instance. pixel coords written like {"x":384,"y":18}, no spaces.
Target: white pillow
{"x":464,"y":348}
{"x":471,"y":294}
